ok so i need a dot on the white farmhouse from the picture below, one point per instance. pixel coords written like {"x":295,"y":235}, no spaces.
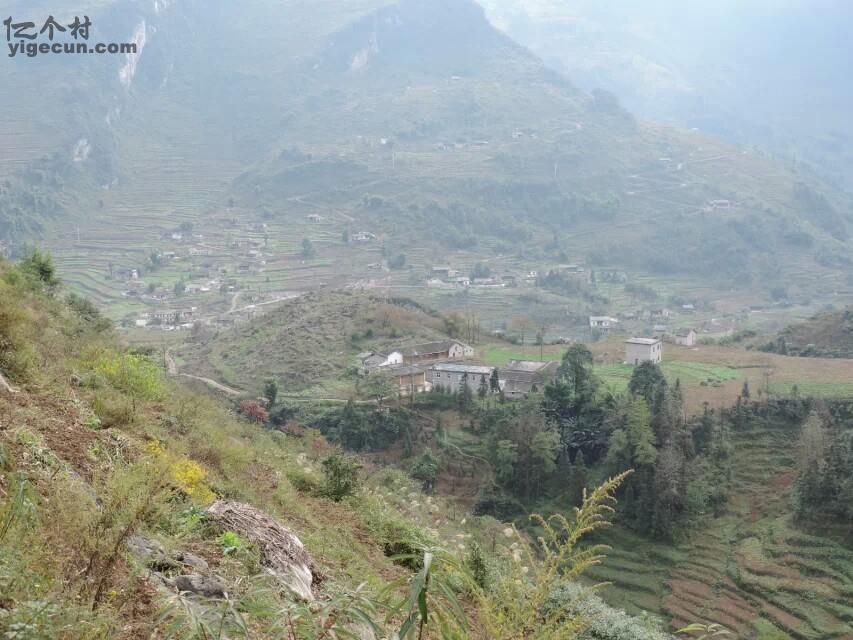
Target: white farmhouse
{"x":685,"y":337}
{"x":372,"y":361}
{"x":639,"y":350}
{"x":602,"y":324}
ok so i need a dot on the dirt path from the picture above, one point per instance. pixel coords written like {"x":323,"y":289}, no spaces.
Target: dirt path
{"x":289,"y":296}
{"x":234,"y":300}
{"x":172,"y":370}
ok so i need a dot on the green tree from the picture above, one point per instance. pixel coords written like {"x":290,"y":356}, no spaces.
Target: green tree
{"x":342,"y":477}
{"x":633,"y":445}
{"x":576,"y":370}
{"x":483,"y":389}
{"x":475,"y":562}
{"x":426,"y":469}
{"x":578,"y":480}
{"x":271,"y":391}
{"x":465,"y":396}
{"x":40,"y":268}
{"x":640,"y":436}
{"x":646,"y":378}
{"x":308,"y":249}
{"x":505,"y":457}
{"x":495,"y":381}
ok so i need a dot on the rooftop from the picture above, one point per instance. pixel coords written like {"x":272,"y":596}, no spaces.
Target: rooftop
{"x":462,"y":368}
{"x":645,"y":341}
{"x":530,"y":366}
{"x":429,"y":347}
{"x":405,"y":370}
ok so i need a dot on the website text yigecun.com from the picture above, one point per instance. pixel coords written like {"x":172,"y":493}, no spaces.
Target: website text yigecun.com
{"x":33,"y":49}
{"x":21,"y":38}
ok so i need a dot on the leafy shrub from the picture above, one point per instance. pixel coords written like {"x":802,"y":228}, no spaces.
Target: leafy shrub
{"x":134,"y":374}
{"x":341,"y":477}
{"x":190,"y":477}
{"x":304,"y":481}
{"x":112,"y":409}
{"x":253,"y":410}
{"x":230,"y":542}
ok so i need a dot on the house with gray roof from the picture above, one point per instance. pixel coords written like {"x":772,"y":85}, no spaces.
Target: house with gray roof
{"x":520,"y":378}
{"x":442,"y":350}
{"x":452,"y":375}
{"x":639,"y":350}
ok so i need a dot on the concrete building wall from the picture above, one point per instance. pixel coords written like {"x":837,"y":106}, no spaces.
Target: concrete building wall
{"x":637,"y":353}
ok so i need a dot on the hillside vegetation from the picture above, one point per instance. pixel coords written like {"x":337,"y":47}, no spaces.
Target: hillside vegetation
{"x":116,"y":488}
{"x":826,"y":335}
{"x":311,"y":342}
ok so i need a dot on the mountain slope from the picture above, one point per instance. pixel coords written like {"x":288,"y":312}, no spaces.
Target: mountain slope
{"x":763,"y":73}
{"x":826,"y":335}
{"x":310,"y":343}
{"x":415,"y":120}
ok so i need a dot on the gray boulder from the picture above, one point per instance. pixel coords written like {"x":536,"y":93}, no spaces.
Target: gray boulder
{"x":207,"y":586}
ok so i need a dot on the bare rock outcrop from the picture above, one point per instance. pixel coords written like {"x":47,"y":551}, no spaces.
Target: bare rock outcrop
{"x":5,"y":386}
{"x":282,"y":551}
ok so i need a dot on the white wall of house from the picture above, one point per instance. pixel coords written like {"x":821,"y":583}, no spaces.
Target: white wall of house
{"x":637,"y":353}
{"x":686,"y":340}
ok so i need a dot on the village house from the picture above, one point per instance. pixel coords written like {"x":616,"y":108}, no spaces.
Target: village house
{"x":488,"y":283}
{"x":509,"y":279}
{"x":443,"y":350}
{"x":574,"y":272}
{"x":660,"y":313}
{"x":172,"y":316}
{"x":407,"y":379}
{"x":602,"y":324}
{"x":371,"y":361}
{"x":444,"y":272}
{"x":660,"y":331}
{"x":685,"y":337}
{"x":520,"y":378}
{"x":315,"y":218}
{"x":639,"y":350}
{"x":720,"y":204}
{"x":363,"y":236}
{"x":451,"y":376}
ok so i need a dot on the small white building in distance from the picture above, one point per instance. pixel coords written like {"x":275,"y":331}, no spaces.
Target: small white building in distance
{"x":602,"y":324}
{"x":685,"y":337}
{"x":639,"y":350}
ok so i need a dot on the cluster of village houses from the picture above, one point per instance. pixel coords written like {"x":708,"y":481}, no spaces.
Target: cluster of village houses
{"x":446,"y":277}
{"x":450,"y":365}
{"x":685,"y":337}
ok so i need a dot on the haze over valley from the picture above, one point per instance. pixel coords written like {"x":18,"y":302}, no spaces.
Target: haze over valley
{"x":316,"y":315}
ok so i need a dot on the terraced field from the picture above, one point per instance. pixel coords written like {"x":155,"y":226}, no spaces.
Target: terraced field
{"x":751,"y":570}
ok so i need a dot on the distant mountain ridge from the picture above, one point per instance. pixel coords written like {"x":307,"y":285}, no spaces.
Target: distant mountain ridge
{"x":415,"y":120}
